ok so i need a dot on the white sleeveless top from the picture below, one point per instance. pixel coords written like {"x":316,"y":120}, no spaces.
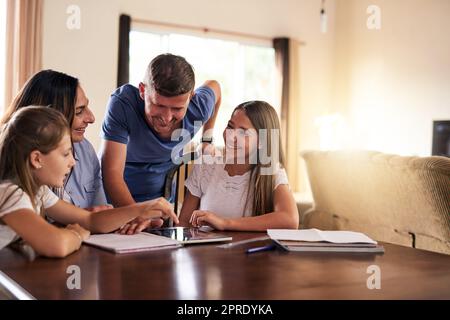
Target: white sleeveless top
{"x":223,"y":194}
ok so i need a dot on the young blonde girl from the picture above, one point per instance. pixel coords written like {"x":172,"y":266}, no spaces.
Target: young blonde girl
{"x":35,"y":154}
{"x":243,"y":191}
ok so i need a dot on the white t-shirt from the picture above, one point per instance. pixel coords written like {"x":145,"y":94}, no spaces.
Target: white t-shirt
{"x":18,"y":199}
{"x":223,"y":194}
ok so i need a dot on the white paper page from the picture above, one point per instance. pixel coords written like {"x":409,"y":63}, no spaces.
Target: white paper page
{"x":126,"y":242}
{"x":313,"y":235}
{"x":295,"y":235}
{"x":346,"y":237}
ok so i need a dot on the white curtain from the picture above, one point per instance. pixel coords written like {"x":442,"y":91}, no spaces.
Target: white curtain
{"x":23,"y":44}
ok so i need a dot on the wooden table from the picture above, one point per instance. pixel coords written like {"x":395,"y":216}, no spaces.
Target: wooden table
{"x":209,"y":272}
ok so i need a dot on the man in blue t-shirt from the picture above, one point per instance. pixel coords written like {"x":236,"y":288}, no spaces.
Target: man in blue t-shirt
{"x":138,"y":126}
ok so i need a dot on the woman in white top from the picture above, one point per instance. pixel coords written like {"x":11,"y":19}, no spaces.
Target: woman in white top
{"x":246,"y":188}
{"x":35,"y":154}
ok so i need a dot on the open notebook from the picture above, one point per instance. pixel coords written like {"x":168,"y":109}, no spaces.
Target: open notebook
{"x":131,"y":243}
{"x":315,"y":240}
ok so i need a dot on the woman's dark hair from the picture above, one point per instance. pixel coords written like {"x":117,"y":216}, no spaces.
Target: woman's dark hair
{"x":47,"y":88}
{"x":170,"y":75}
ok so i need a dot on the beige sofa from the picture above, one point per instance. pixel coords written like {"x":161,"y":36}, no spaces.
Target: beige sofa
{"x":395,"y":199}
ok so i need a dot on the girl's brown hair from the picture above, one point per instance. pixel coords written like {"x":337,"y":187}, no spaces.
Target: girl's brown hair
{"x":29,"y":129}
{"x":263,"y":116}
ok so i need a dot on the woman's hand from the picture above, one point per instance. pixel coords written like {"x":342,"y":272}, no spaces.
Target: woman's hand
{"x":99,"y":208}
{"x":207,"y":218}
{"x":157,"y":208}
{"x":139,"y":224}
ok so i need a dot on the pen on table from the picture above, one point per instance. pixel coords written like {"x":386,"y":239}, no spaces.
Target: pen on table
{"x":259,"y":249}
{"x":242,"y":242}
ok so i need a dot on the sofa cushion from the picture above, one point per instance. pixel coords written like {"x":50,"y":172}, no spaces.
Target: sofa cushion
{"x":397,"y":199}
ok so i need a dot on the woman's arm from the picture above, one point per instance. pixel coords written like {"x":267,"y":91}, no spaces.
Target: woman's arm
{"x":110,"y":220}
{"x":46,"y":239}
{"x":284,"y":216}
{"x":190,"y":204}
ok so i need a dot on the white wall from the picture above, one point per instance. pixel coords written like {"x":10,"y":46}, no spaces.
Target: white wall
{"x":386,"y":85}
{"x":91,"y":52}
{"x":391,"y":83}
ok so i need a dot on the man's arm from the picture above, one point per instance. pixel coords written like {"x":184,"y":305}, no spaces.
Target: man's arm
{"x":113,"y":157}
{"x":209,"y":125}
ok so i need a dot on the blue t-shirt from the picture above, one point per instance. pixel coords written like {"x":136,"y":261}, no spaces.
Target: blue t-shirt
{"x":85,"y":186}
{"x":148,"y":156}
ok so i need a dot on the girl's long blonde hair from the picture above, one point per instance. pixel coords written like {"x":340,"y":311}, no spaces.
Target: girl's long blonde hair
{"x":29,"y":129}
{"x":263,"y":116}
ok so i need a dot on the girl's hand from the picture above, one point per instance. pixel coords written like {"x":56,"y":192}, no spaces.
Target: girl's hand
{"x":84,"y":234}
{"x":207,"y":218}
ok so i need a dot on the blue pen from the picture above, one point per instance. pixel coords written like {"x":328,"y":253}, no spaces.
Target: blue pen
{"x":259,"y":249}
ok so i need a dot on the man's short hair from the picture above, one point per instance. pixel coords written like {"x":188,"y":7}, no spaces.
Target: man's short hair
{"x":170,"y":75}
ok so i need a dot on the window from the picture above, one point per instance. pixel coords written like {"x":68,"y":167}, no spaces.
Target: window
{"x":245,"y":71}
{"x":2,"y":53}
